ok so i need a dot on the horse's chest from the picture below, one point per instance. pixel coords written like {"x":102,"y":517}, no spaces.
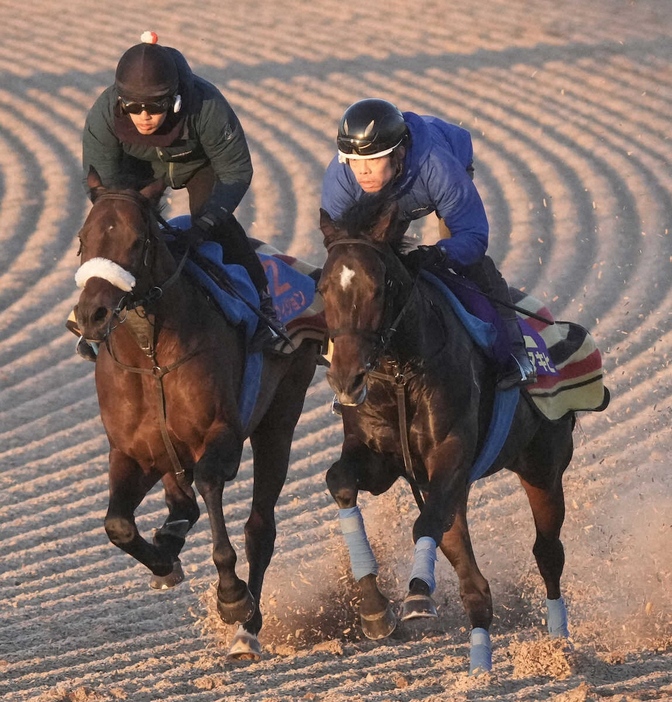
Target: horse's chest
{"x":379,"y":419}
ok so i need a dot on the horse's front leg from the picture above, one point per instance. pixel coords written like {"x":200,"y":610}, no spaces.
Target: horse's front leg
{"x":358,"y":466}
{"x":447,"y":490}
{"x":183,"y":513}
{"x":128,"y":486}
{"x":219,"y":463}
{"x":442,"y":521}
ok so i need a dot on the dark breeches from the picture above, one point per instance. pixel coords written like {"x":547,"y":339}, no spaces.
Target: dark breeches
{"x":229,"y":233}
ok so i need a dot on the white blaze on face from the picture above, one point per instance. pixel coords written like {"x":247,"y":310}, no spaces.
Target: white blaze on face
{"x":347,"y":274}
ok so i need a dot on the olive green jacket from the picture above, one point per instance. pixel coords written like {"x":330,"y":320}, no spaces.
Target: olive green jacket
{"x":209,"y":133}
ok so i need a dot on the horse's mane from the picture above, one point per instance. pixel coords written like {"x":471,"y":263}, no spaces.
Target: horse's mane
{"x":375,"y":217}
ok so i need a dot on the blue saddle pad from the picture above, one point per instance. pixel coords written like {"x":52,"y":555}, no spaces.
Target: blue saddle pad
{"x":487,"y":334}
{"x":292,"y":293}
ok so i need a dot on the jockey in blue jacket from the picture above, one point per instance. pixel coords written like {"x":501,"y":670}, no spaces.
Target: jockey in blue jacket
{"x":427,"y":166}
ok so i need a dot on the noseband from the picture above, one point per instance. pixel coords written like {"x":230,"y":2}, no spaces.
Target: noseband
{"x":382,"y":336}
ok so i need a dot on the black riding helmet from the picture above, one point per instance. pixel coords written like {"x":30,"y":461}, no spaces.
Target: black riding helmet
{"x":146,"y":71}
{"x":370,"y":128}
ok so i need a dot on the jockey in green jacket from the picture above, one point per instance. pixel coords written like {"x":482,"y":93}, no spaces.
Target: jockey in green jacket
{"x":159,"y":120}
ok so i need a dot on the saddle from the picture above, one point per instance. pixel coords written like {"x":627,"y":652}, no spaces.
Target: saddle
{"x":230,"y":288}
{"x":291,"y":283}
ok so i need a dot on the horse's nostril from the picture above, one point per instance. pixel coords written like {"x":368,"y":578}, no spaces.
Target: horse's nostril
{"x":359,"y":380}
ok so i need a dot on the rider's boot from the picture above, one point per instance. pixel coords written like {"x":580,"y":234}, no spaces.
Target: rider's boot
{"x":520,"y":369}
{"x":271,"y":332}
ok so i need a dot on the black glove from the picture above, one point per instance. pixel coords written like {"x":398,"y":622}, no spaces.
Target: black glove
{"x":200,"y":231}
{"x":424,"y":257}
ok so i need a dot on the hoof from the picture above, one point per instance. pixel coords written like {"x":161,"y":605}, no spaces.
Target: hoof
{"x":379,"y":625}
{"x":244,"y":647}
{"x":166,"y":582}
{"x":237,"y":612}
{"x":418,"y":607}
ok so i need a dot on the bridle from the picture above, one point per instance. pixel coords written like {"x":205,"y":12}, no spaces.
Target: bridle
{"x":382,"y":338}
{"x":389,"y":324}
{"x":134,"y":299}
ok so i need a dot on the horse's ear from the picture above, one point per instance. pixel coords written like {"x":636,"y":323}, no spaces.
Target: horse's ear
{"x":94,"y":183}
{"x":385,"y":229}
{"x":327,"y":226}
{"x":154,"y":190}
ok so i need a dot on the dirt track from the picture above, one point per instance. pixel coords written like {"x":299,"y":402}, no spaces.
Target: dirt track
{"x":569,"y":103}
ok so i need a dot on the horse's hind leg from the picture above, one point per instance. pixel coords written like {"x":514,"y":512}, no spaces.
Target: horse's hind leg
{"x":474,"y":590}
{"x":548,"y":508}
{"x":270,"y":447}
{"x":548,"y":457}
{"x":183,"y":513}
{"x":219,"y":463}
{"x":271,"y":443}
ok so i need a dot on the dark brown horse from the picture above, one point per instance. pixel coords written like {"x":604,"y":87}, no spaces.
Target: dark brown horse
{"x":416,"y":396}
{"x":168,"y":377}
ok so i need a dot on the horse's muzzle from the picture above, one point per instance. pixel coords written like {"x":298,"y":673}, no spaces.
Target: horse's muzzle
{"x":96,"y":307}
{"x":349,"y":391}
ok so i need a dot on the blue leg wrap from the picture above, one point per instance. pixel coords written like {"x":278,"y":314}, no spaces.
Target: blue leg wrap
{"x":424,"y":558}
{"x":557,"y":618}
{"x":480,"y":655}
{"x":362,"y":560}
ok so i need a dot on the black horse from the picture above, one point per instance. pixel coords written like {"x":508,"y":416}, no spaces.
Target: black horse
{"x":169,"y":376}
{"x":417,"y":395}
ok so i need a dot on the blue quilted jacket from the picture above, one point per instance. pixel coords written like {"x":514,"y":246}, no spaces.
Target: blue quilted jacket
{"x":434,"y":179}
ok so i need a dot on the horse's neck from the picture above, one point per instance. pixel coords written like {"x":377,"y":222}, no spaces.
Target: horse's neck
{"x":178,"y":311}
{"x":429,"y":329}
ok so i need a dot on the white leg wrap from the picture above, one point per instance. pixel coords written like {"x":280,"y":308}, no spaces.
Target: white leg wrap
{"x":362,"y":560}
{"x":424,"y":558}
{"x":480,"y":655}
{"x":557,"y":618}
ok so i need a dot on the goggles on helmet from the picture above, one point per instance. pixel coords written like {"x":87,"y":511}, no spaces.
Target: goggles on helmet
{"x":357,"y":149}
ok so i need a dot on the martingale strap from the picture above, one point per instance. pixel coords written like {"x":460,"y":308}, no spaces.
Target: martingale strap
{"x":144,"y":335}
{"x":399,"y":379}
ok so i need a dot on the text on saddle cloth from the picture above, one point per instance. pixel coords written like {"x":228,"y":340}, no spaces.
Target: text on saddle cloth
{"x":292,"y":291}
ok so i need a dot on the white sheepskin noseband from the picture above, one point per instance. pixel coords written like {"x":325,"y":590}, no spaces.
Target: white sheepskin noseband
{"x":107,"y":270}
